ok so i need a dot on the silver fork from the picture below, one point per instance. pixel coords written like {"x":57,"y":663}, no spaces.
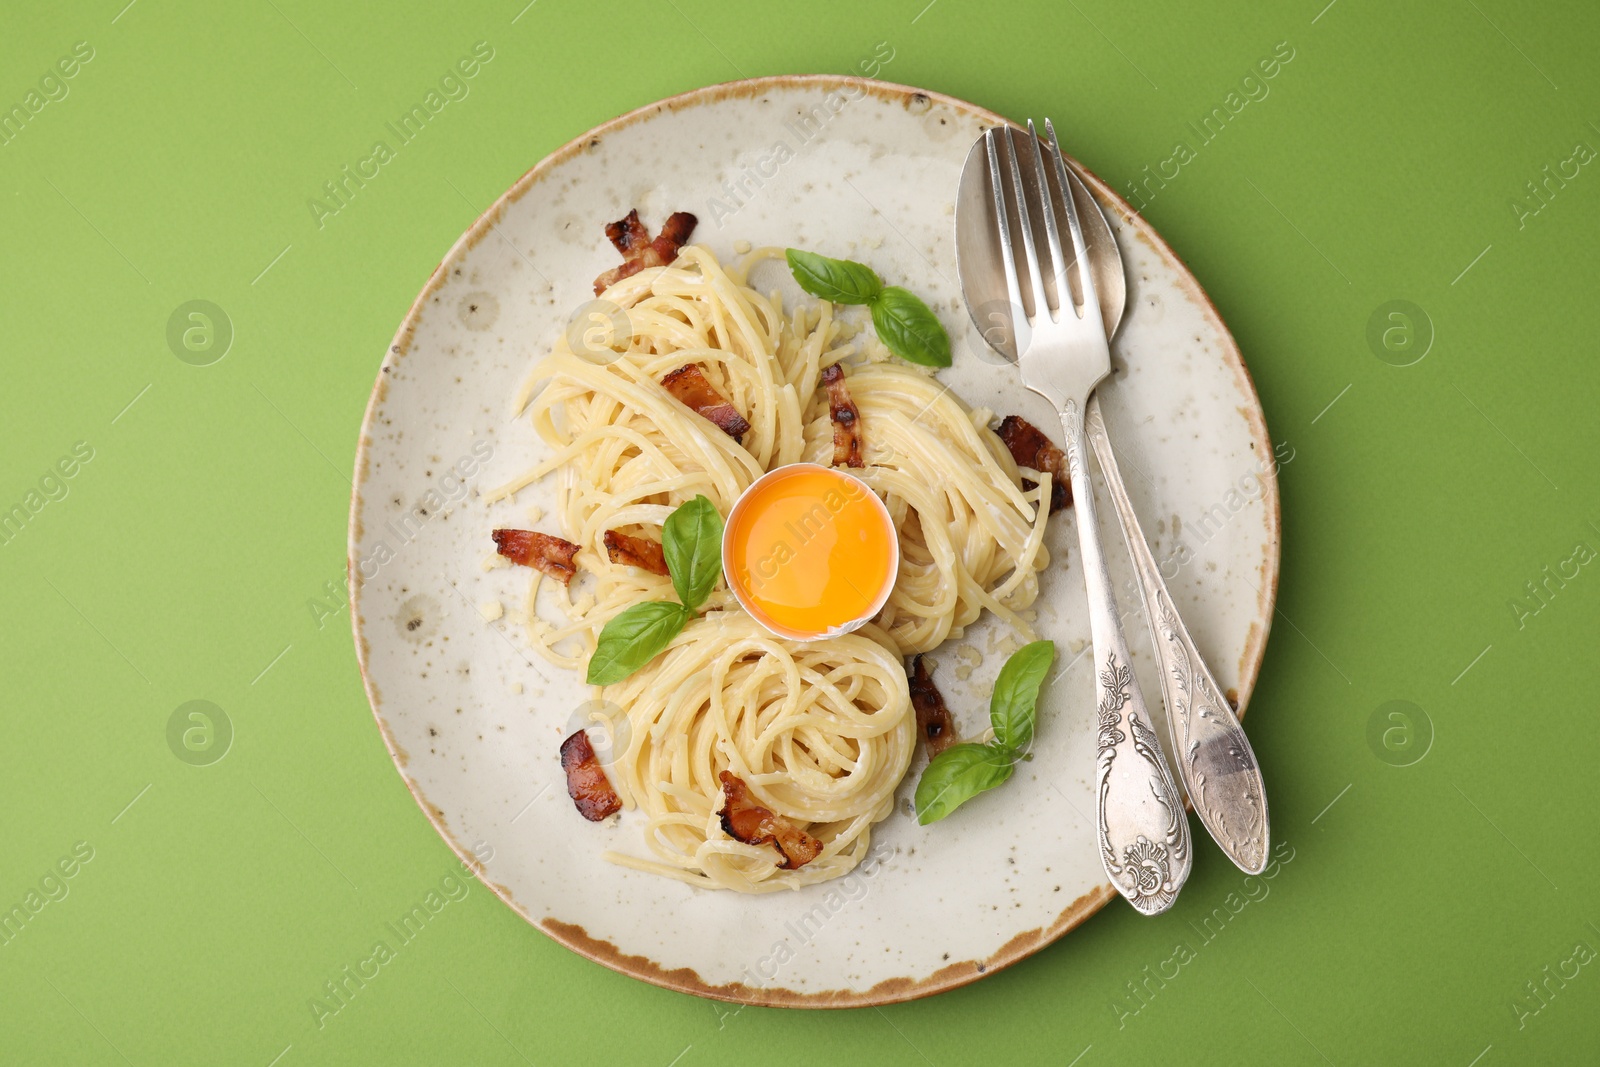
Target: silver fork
{"x":1063,"y":355}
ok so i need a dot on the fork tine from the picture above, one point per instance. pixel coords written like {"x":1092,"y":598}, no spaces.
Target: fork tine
{"x":1052,"y":228}
{"x":1041,"y":303}
{"x":991,"y":144}
{"x":1091,"y":298}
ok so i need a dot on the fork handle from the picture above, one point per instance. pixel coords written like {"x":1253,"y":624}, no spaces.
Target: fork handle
{"x":1214,"y":757}
{"x":1143,"y":831}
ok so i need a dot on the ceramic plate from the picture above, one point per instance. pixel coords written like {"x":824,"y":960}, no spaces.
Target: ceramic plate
{"x":851,"y":168}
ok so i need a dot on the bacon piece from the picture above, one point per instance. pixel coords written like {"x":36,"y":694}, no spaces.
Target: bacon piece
{"x":638,"y":552}
{"x":846,"y":419}
{"x":629,"y":236}
{"x":745,"y":820}
{"x":587,"y":783}
{"x":689,"y":385}
{"x":1031,"y":448}
{"x":616,"y":274}
{"x":674,"y":235}
{"x":933,"y":718}
{"x":542,"y":551}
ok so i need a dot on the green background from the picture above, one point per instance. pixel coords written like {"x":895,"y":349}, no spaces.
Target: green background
{"x":1383,"y":165}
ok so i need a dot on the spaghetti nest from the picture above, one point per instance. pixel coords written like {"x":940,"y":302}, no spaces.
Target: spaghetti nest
{"x":821,"y":732}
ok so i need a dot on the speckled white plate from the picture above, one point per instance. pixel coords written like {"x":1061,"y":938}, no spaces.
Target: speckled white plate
{"x":866,"y":170}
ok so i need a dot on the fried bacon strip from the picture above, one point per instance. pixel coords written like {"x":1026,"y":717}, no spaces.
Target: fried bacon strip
{"x":639,"y":250}
{"x":674,"y":235}
{"x":587,"y":783}
{"x":638,"y":552}
{"x":1031,"y":448}
{"x":544,"y":552}
{"x":628,"y":235}
{"x":933,"y":718}
{"x":745,"y":820}
{"x":846,"y":419}
{"x":689,"y":385}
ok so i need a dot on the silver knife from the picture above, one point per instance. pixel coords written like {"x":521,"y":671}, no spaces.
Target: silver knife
{"x":1214,"y":758}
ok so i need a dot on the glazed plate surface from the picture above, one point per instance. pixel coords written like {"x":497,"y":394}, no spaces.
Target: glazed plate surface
{"x":849,"y":168}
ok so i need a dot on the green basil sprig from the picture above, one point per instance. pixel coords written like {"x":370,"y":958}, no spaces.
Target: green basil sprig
{"x":906,"y":325}
{"x":839,"y":280}
{"x":961,"y":772}
{"x":691,"y":541}
{"x":1015,"y":700}
{"x":634,"y":638}
{"x":909,"y":328}
{"x":958,"y":774}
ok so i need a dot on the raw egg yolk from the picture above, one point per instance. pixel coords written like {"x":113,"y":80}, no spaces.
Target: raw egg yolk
{"x":809,"y":550}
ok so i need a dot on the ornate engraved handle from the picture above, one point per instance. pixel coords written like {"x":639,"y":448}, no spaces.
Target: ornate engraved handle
{"x":1218,"y":767}
{"x":1144,"y":834}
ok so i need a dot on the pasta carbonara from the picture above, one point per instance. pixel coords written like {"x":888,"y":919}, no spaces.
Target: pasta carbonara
{"x":821,"y":732}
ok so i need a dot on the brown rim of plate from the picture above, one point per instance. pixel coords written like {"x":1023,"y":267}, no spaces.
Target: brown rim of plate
{"x":683,"y":979}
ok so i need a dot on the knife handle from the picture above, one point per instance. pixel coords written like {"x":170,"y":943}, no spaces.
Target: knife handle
{"x":1143,"y":831}
{"x":1214,"y":757}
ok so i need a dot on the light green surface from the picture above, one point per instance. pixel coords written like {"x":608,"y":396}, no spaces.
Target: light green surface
{"x":1380,"y":166}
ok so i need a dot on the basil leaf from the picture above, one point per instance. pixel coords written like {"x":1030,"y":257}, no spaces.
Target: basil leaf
{"x":691,"y":540}
{"x":634,"y":638}
{"x":1016,"y":694}
{"x":958,"y":774}
{"x":839,"y":280}
{"x":909,"y":328}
